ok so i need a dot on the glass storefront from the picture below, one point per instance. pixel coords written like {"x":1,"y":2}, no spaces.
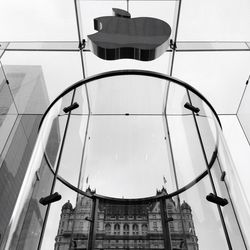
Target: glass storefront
{"x":130,"y":174}
{"x":128,"y":157}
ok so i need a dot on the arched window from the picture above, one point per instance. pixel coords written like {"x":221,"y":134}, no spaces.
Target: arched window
{"x":117,"y":229}
{"x":126,"y":229}
{"x":144,"y":229}
{"x":108,"y":228}
{"x":135,"y":229}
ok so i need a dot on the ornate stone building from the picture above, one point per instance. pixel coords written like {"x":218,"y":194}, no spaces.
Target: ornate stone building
{"x":126,"y":225}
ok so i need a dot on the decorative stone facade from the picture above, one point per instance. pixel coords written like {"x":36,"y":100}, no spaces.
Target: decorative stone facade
{"x":126,"y":225}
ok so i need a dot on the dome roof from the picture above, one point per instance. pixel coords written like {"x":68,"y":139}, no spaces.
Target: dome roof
{"x":67,"y":205}
{"x":184,"y":205}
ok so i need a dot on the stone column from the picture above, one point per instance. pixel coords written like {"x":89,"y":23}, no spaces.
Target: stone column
{"x":140,"y":229}
{"x":121,"y":228}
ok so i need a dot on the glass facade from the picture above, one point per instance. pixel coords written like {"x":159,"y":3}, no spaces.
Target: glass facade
{"x":125,"y":193}
{"x":136,"y":165}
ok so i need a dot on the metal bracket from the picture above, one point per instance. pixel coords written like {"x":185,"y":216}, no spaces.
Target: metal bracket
{"x":73,"y":106}
{"x":217,"y":200}
{"x":88,"y":219}
{"x":82,"y":44}
{"x":223,"y":175}
{"x":169,"y":219}
{"x":50,"y":198}
{"x":191,"y":107}
{"x":172,"y":44}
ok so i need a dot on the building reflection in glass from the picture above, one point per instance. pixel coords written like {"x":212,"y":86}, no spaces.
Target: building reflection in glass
{"x":125,"y":224}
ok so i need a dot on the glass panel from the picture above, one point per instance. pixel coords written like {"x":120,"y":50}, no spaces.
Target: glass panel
{"x":62,"y":220}
{"x":236,"y":178}
{"x":71,"y":160}
{"x":213,"y":20}
{"x":82,"y":99}
{"x":38,"y":21}
{"x":127,"y":95}
{"x":120,"y":149}
{"x":215,"y":74}
{"x":206,"y":125}
{"x":32,"y":223}
{"x":210,"y":140}
{"x":176,"y":99}
{"x":189,"y":161}
{"x":222,"y":188}
{"x":57,"y":130}
{"x":204,"y":226}
{"x":175,"y":222}
{"x":36,"y":78}
{"x":237,"y":149}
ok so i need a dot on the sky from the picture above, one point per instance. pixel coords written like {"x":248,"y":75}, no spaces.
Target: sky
{"x":220,"y":76}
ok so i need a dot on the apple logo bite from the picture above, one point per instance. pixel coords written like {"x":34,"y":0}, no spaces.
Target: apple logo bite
{"x":120,"y":36}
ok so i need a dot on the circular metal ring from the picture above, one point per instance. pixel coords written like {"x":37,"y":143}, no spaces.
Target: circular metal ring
{"x":138,"y":73}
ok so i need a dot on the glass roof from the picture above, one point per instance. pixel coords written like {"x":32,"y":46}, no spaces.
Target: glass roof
{"x":38,"y":21}
{"x":226,"y":27}
{"x":224,"y":20}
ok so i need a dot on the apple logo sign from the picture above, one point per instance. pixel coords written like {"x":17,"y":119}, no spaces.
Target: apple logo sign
{"x":120,"y":36}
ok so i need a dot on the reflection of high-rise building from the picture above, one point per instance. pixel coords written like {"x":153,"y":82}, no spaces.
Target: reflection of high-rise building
{"x":126,"y":225}
{"x":24,"y":99}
